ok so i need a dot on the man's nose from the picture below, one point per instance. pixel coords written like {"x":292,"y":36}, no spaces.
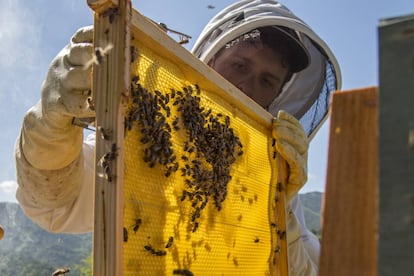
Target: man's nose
{"x":246,"y":85}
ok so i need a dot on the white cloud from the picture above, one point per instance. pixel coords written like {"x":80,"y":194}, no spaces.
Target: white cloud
{"x":8,"y":191}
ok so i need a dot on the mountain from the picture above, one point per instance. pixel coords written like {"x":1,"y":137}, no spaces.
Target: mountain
{"x":312,"y":210}
{"x":27,"y":249}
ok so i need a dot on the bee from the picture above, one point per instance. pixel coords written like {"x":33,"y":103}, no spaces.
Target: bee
{"x":188,"y":148}
{"x":125,"y":235}
{"x":277,"y":249}
{"x":171,"y":169}
{"x":167,"y":111}
{"x":99,"y":54}
{"x":151,"y":250}
{"x":111,"y":13}
{"x":134,"y":53}
{"x":112,"y":154}
{"x":135,"y":78}
{"x":195,"y":227}
{"x":240,"y":217}
{"x":105,"y":161}
{"x":184,"y":272}
{"x":136,"y":225}
{"x":198,"y":91}
{"x":175,"y":124}
{"x":160,"y":253}
{"x":108,"y":175}
{"x":106,"y":133}
{"x":282,"y":234}
{"x":203,"y":204}
{"x":91,"y":103}
{"x":170,"y":242}
{"x":184,"y":195}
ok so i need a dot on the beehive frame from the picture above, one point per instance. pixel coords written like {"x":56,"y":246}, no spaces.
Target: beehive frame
{"x":116,"y":23}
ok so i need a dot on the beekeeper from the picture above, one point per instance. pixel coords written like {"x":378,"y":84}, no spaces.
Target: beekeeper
{"x":258,"y":45}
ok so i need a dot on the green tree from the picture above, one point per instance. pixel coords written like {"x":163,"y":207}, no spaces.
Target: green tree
{"x":85,"y":269}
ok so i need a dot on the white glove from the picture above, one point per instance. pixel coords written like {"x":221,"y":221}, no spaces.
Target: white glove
{"x":292,"y":144}
{"x":49,"y":160}
{"x":49,"y":139}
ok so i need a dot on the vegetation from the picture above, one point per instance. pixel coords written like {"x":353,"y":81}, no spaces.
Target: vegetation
{"x":312,"y":210}
{"x":26,"y":249}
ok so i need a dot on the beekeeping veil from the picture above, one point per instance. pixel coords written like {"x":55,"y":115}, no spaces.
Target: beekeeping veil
{"x":307,"y":94}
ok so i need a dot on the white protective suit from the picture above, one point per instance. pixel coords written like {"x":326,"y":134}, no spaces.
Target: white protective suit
{"x":55,"y":168}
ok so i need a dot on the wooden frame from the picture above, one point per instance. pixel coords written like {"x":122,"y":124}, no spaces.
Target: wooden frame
{"x":113,"y":23}
{"x":110,"y":86}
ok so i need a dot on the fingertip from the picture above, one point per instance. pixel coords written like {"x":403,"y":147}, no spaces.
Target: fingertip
{"x":83,"y":34}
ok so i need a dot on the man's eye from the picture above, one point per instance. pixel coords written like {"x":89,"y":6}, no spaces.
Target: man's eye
{"x":268,"y":83}
{"x":239,"y":66}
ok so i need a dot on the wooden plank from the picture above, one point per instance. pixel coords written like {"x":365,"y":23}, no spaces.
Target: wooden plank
{"x":110,"y":86}
{"x":396,"y":145}
{"x":349,"y":231}
{"x":282,"y":269}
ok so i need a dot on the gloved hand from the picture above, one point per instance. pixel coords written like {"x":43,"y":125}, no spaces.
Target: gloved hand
{"x":292,"y":144}
{"x":49,"y":139}
{"x":68,"y":83}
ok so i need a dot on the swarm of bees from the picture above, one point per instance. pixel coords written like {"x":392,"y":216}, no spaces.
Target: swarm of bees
{"x":156,"y":131}
{"x":210,"y":149}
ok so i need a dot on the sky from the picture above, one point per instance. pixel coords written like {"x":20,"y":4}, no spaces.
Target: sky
{"x":33,"y":32}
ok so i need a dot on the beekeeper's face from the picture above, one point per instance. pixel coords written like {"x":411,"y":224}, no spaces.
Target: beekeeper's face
{"x":255,"y":69}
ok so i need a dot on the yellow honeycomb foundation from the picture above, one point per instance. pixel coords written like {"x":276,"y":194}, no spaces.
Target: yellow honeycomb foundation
{"x":160,"y":238}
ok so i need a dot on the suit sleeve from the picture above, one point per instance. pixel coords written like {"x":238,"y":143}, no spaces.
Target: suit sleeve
{"x":60,"y":201}
{"x":303,"y":245}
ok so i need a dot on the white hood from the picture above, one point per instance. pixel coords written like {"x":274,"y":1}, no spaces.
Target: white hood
{"x":307,"y":95}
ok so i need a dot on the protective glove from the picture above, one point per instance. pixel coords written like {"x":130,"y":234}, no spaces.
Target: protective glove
{"x":292,"y":144}
{"x":49,"y":139}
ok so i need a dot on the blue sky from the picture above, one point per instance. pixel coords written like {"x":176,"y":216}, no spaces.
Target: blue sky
{"x":33,"y":32}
